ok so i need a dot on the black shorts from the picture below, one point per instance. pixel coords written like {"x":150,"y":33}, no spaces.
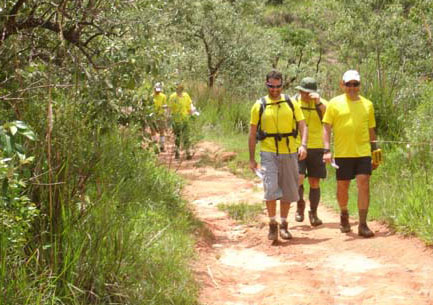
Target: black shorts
{"x":350,"y":167}
{"x":313,"y":166}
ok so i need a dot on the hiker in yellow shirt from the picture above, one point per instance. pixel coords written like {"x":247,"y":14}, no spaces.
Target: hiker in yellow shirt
{"x":160,"y":107}
{"x":351,"y":118}
{"x":180,"y":104}
{"x":313,"y":107}
{"x":273,"y":122}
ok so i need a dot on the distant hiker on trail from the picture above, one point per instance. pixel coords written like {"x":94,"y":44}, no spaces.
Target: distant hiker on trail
{"x":351,"y":118}
{"x":179,"y":104}
{"x":160,"y":108}
{"x":274,"y":121}
{"x":313,"y":107}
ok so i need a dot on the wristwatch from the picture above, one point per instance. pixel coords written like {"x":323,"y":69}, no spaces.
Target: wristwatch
{"x":326,"y":150}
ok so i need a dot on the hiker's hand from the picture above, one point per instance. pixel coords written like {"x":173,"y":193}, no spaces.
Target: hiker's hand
{"x":253,"y":165}
{"x":327,"y":157}
{"x":302,"y":152}
{"x":315,"y":96}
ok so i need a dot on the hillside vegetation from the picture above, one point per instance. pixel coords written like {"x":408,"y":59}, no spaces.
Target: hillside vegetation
{"x":86,"y":214}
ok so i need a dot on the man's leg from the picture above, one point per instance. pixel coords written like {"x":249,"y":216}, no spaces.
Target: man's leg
{"x":162,"y":138}
{"x":186,"y":139}
{"x":314,"y":198}
{"x":343,"y":199}
{"x":284,"y":212}
{"x":177,"y":136}
{"x":363,"y":182}
{"x":300,"y":206}
{"x":271,"y":206}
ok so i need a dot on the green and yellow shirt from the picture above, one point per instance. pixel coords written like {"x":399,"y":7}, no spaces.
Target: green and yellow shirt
{"x":180,"y":107}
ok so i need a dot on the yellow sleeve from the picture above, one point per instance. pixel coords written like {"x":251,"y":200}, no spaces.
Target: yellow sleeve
{"x":255,"y":110}
{"x":329,"y":114}
{"x":299,"y":115}
{"x":371,"y":118}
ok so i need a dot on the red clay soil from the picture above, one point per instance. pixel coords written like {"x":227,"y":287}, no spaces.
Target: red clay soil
{"x":237,"y":265}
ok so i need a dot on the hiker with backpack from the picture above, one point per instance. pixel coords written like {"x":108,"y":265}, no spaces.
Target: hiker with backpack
{"x":313,"y":107}
{"x":180,"y":108}
{"x":275,"y":122}
{"x":351,"y":118}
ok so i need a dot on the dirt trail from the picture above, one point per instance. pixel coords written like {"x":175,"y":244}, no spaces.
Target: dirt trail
{"x":237,"y":265}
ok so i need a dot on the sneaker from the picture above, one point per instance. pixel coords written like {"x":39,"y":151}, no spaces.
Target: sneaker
{"x":364,"y":231}
{"x":299,"y":217}
{"x":284,"y":233}
{"x":273,"y":231}
{"x":344,"y":223}
{"x":161,"y":148}
{"x":176,"y":155}
{"x":188,"y":157}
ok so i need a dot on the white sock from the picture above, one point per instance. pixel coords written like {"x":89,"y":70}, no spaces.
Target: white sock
{"x":283,"y":219}
{"x":272,"y":219}
{"x":161,"y":139}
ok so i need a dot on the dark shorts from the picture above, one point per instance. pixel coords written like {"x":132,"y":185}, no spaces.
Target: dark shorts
{"x":349,"y":168}
{"x":313,"y":165}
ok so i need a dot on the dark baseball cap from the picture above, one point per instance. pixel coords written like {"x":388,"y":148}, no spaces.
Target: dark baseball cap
{"x":308,"y":84}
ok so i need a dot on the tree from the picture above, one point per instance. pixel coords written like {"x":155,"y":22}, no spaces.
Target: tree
{"x":225,"y":32}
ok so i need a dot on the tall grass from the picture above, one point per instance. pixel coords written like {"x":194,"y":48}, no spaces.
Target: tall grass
{"x":128,"y":240}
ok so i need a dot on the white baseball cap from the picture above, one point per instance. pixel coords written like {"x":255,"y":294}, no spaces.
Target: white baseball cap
{"x":158,"y":87}
{"x":351,"y":75}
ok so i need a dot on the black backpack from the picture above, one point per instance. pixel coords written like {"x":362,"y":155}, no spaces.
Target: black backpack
{"x":261,"y":135}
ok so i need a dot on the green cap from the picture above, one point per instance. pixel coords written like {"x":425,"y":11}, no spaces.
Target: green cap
{"x":308,"y":84}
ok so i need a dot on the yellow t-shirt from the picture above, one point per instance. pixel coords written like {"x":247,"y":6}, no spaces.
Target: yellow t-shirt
{"x":159,"y":100}
{"x":312,"y":119}
{"x":350,"y":121}
{"x":276,"y":118}
{"x":180,"y":107}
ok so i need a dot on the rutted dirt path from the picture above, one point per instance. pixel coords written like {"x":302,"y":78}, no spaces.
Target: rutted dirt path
{"x":237,"y":265}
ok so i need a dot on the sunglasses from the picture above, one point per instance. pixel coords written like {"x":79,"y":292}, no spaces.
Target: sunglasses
{"x":352,"y":84}
{"x":272,"y":86}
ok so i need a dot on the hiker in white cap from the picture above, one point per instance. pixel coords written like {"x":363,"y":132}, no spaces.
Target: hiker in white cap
{"x":160,"y":107}
{"x":351,"y":118}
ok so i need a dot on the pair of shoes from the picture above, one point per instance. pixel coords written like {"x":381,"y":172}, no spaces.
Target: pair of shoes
{"x":344,"y":223}
{"x":284,"y":232}
{"x":314,"y":220}
{"x":299,"y":217}
{"x":273,"y":231}
{"x":364,"y":231}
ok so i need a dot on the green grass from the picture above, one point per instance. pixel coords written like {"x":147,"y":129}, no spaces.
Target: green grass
{"x":128,"y":240}
{"x":242,"y":212}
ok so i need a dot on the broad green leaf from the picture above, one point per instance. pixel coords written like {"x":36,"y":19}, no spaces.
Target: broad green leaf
{"x":13,"y":129}
{"x":21,"y":125}
{"x":29,"y":135}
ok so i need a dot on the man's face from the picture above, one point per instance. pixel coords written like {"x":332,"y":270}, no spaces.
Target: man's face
{"x":305,"y":96}
{"x":275,"y":87}
{"x":351,"y":88}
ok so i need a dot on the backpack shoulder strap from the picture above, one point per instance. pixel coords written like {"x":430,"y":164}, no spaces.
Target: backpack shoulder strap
{"x":262,"y":109}
{"x":289,"y":102}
